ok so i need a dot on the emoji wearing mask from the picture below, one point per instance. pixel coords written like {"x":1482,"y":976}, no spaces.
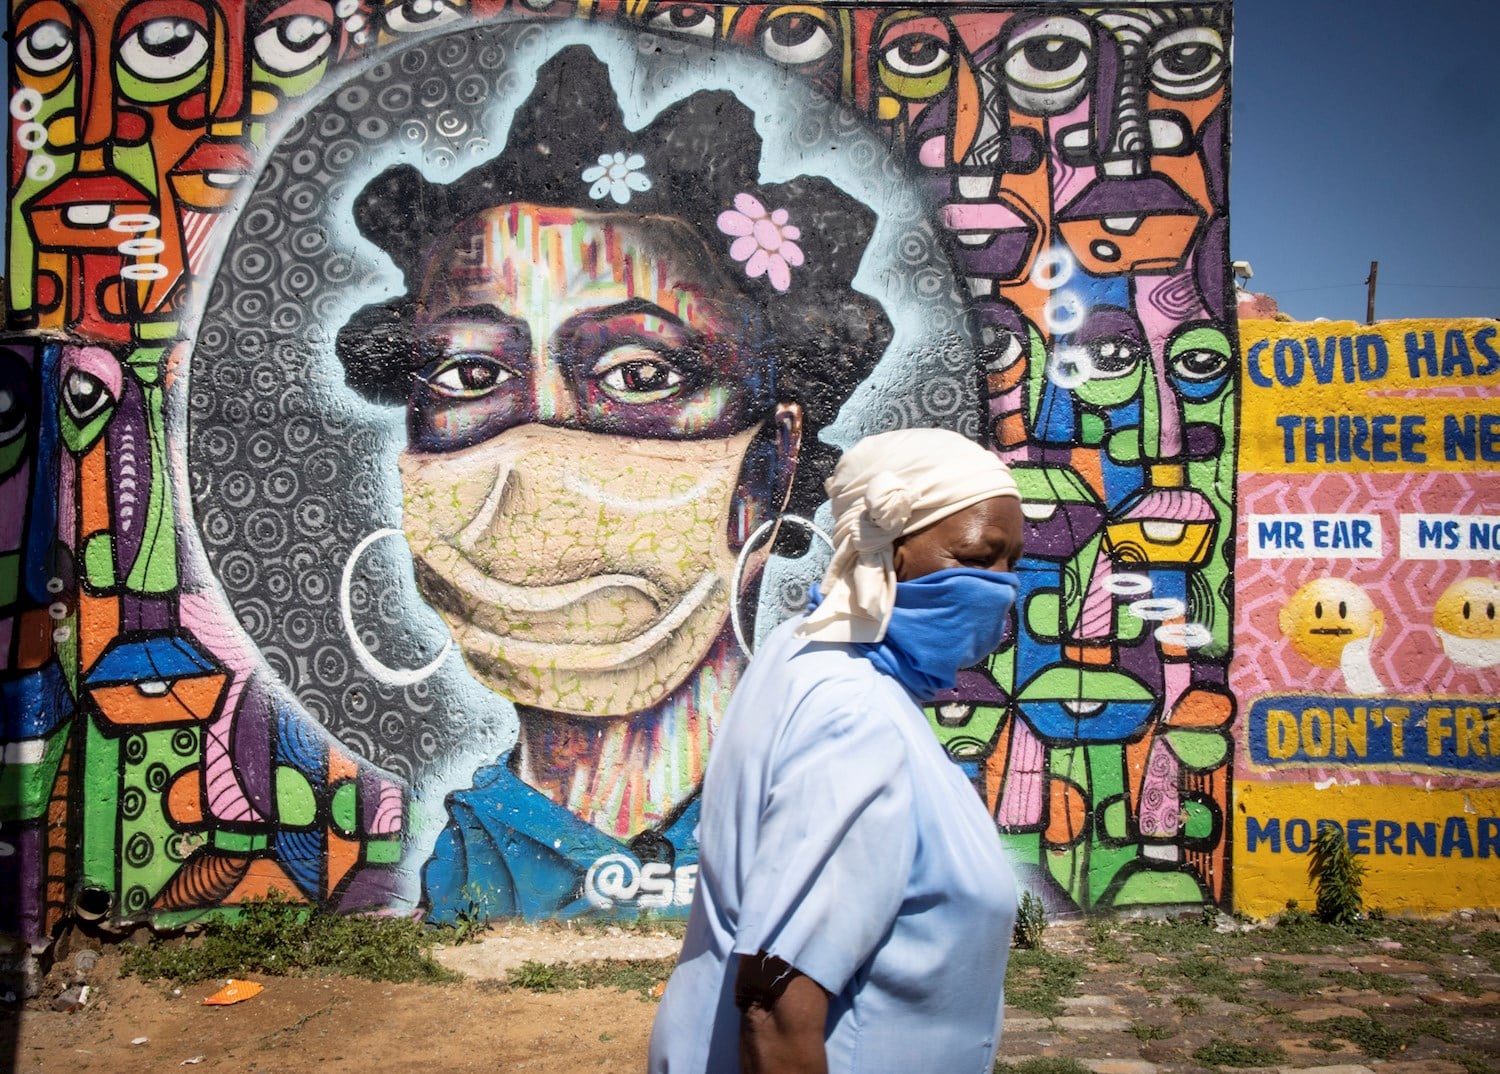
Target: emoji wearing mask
{"x":1332,"y":623}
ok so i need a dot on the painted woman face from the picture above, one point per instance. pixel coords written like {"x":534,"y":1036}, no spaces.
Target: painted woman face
{"x":577,"y":482}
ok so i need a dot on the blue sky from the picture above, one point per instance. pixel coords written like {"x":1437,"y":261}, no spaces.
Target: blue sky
{"x":1365,"y":130}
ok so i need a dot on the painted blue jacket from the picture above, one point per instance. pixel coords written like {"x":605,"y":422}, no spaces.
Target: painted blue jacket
{"x":509,"y":851}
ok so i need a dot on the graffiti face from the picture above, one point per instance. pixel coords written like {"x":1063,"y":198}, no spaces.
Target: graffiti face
{"x":577,"y":441}
{"x":1327,"y":615}
{"x":1467,"y":620}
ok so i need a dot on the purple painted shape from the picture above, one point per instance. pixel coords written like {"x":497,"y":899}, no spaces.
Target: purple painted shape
{"x":373,"y":887}
{"x":973,"y":687}
{"x":145,"y":613}
{"x":1208,"y":268}
{"x":21,"y":910}
{"x":1211,"y":152}
{"x":1150,"y":195}
{"x":130,"y":475}
{"x":1110,"y":322}
{"x":250,"y":748}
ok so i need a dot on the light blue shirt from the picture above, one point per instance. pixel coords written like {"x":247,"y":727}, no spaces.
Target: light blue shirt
{"x":836,"y":834}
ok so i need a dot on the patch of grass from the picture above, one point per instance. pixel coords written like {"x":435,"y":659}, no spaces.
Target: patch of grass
{"x":1233,"y":1053}
{"x":1188,"y":1004}
{"x":1388,"y":984}
{"x":1211,"y":976}
{"x":1472,"y":1063}
{"x":1150,"y":1031}
{"x":1105,"y":944}
{"x":277,"y":936}
{"x":1423,"y":938}
{"x":1378,"y":1039}
{"x":1042,"y":1065}
{"x":1460,"y":983}
{"x":1037,"y":980}
{"x":625,"y":975}
{"x":1285,"y":977}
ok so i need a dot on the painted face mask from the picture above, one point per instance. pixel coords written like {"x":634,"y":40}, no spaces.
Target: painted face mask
{"x":578,"y":572}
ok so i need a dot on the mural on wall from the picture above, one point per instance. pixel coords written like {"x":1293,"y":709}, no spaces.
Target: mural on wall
{"x":412,"y":422}
{"x":1369,"y":597}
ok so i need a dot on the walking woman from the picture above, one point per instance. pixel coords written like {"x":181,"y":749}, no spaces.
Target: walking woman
{"x":854,"y":909}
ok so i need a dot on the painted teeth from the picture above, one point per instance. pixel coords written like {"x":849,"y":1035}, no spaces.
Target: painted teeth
{"x":222,"y":178}
{"x":1038,"y":512}
{"x":87,"y":215}
{"x":1163,"y":531}
{"x":1121,"y":225}
{"x":974,"y":238}
{"x":1083,"y":708}
{"x":975,"y":186}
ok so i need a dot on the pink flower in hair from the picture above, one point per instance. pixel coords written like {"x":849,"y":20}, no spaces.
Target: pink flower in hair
{"x":763,"y":240}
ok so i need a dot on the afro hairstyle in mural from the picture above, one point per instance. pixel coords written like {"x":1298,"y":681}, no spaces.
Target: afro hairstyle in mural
{"x":820,"y":336}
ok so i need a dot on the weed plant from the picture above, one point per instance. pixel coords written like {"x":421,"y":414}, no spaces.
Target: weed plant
{"x":1031,"y":922}
{"x":1338,"y":876}
{"x":277,"y":936}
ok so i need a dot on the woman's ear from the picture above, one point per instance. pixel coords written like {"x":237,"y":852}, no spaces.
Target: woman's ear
{"x":787,"y":422}
{"x":765,"y":483}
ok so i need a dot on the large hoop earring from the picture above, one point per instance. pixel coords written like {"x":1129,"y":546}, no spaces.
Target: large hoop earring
{"x":739,"y":570}
{"x":387,"y":675}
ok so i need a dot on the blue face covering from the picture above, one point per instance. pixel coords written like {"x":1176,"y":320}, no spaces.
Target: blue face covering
{"x":942,"y":622}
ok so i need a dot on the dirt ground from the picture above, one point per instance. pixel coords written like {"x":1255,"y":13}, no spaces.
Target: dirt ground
{"x":1412,"y":998}
{"x":330,"y":1024}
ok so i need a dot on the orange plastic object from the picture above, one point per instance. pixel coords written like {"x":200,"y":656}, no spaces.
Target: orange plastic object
{"x":234,"y":992}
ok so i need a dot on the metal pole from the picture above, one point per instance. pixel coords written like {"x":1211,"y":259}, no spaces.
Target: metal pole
{"x":1370,"y":297}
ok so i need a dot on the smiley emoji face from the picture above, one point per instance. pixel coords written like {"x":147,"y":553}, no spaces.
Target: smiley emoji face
{"x":1467,"y":621}
{"x":1326,"y":615}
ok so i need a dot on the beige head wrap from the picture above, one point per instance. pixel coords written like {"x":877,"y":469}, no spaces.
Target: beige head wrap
{"x":886,"y":486}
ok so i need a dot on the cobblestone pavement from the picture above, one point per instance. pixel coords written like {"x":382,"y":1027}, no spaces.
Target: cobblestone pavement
{"x":1151,"y":998}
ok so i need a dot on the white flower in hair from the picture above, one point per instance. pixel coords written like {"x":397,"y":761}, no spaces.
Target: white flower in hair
{"x":617,"y":175}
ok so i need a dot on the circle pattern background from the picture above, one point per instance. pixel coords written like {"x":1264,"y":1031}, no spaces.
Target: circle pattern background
{"x":289,"y":469}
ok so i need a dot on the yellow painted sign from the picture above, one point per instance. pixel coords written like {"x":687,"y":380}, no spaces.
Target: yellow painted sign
{"x":1390,"y":397}
{"x":1423,"y":851}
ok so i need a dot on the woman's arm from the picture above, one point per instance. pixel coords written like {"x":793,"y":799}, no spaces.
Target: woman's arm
{"x":783,"y":1013}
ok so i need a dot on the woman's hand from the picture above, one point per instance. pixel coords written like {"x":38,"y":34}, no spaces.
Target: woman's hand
{"x":782,"y":1018}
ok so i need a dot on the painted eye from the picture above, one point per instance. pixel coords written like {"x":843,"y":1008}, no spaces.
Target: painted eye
{"x":164,"y":49}
{"x":1045,"y":65}
{"x":84,"y":395}
{"x":289,"y":46}
{"x":795,"y":37}
{"x":999,"y":348}
{"x":1188,"y":63}
{"x":1115,"y":357}
{"x":468,"y":376}
{"x":1198,"y":361}
{"x":45,"y":47}
{"x":417,"y":15}
{"x":1199,"y":364}
{"x":687,"y":19}
{"x":638,"y":376}
{"x":917,"y":55}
